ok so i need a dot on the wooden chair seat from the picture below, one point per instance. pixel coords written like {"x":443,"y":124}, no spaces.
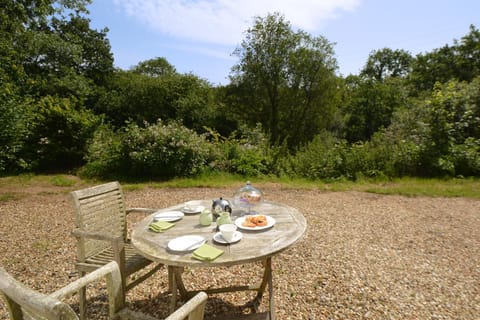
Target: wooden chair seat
{"x":133,"y":263}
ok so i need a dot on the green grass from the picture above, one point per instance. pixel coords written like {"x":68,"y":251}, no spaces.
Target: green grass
{"x":8,"y":196}
{"x":32,"y":179}
{"x":469,"y":188}
{"x":62,"y":181}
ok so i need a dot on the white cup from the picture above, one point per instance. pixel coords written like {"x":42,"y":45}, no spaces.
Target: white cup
{"x":227,"y":231}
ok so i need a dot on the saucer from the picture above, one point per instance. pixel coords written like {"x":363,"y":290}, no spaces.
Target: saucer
{"x":193,"y":209}
{"x":236,"y":237}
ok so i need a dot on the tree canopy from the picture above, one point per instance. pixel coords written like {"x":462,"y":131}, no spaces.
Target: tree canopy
{"x":286,"y":111}
{"x":284,"y":80}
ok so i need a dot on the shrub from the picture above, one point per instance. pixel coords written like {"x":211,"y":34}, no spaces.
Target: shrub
{"x":14,"y":120}
{"x":323,"y":158}
{"x":465,"y":158}
{"x":59,"y":131}
{"x":48,"y":134}
{"x":105,"y":154}
{"x":246,"y":152}
{"x":154,"y":151}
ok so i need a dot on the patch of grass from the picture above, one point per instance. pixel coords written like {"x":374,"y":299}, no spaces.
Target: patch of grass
{"x":22,"y":179}
{"x":202,"y":181}
{"x":216,"y":180}
{"x":41,"y":244}
{"x":8,"y":196}
{"x":469,"y":188}
{"x":41,"y":180}
{"x":62,"y":181}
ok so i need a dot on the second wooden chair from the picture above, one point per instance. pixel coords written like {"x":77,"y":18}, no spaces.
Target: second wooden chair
{"x":101,"y":233}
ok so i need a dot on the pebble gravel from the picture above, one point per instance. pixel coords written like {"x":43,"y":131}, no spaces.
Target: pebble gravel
{"x":364,"y":256}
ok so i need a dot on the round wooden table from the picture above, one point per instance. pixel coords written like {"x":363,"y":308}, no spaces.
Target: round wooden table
{"x":255,"y":245}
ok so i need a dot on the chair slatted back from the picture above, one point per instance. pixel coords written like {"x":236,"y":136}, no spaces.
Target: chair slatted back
{"x":25,"y":303}
{"x":99,"y":209}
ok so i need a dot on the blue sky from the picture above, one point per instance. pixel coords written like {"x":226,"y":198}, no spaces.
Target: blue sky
{"x":199,"y":36}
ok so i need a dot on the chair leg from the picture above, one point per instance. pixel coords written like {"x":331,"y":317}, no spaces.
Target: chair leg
{"x":82,"y":300}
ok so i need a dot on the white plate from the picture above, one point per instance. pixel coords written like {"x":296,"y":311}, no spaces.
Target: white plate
{"x":168,"y":216}
{"x":236,"y":237}
{"x":270,"y":222}
{"x":193,"y":209}
{"x":186,"y":243}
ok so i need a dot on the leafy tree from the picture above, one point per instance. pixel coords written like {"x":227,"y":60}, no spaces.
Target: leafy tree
{"x":284,"y":80}
{"x":133,"y":96}
{"x":468,"y":57}
{"x":454,"y":120}
{"x":369,"y":105}
{"x":14,"y":130}
{"x":51,"y":45}
{"x":68,"y":58}
{"x":154,"y":67}
{"x":50,"y":64}
{"x":385,"y":63}
{"x":58,"y":134}
{"x":460,"y":61}
{"x":429,"y":68}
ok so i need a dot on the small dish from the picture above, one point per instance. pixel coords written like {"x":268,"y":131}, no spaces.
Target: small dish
{"x":237,"y":236}
{"x":168,"y":216}
{"x":193,"y":209}
{"x":186,"y":243}
{"x":239,"y":222}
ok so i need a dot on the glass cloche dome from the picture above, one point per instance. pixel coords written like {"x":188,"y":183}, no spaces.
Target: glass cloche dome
{"x":247,"y":197}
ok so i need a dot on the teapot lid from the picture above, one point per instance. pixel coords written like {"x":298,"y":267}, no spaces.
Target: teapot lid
{"x":221,"y":201}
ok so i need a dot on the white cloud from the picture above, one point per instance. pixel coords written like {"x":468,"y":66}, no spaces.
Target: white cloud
{"x":224,"y":21}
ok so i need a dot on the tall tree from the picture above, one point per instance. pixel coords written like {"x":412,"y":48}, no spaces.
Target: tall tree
{"x":50,"y":43}
{"x":50,"y":63}
{"x":369,"y":105}
{"x":154,"y":67}
{"x":385,"y":63}
{"x":282,"y":79}
{"x":460,"y":61}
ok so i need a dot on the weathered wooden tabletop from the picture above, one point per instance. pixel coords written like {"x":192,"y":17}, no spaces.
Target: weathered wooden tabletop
{"x":254,"y":246}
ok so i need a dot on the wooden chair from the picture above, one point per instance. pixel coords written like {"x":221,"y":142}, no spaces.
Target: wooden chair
{"x":101,"y":233}
{"x":25,"y":303}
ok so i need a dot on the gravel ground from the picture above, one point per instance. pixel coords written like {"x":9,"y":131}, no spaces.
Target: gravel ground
{"x":364,"y":256}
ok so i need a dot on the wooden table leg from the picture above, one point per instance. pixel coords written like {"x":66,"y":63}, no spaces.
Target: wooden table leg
{"x":184,"y":294}
{"x":175,"y":282}
{"x":266,"y":280}
{"x":270,"y":294}
{"x":172,"y":284}
{"x":177,"y":287}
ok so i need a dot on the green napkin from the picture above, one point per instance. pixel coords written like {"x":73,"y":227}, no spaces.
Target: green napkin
{"x":160,"y":226}
{"x":207,"y":253}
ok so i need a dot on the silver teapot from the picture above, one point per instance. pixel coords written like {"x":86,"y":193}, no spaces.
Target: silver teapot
{"x":221,"y":205}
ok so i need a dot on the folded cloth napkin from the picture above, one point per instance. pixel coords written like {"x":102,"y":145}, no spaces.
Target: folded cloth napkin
{"x":207,"y":253}
{"x":160,"y":226}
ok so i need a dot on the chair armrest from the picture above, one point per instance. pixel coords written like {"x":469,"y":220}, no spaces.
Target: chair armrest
{"x":96,"y":236}
{"x":193,"y":308}
{"x":112,"y":274}
{"x":143,"y":210}
{"x":110,"y":270}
